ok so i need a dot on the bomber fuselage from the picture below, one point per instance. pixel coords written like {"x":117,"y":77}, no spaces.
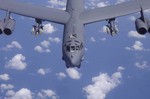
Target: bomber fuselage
{"x":73,"y":37}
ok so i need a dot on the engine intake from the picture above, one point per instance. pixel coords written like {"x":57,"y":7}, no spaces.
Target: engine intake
{"x":9,"y":27}
{"x":141,"y":26}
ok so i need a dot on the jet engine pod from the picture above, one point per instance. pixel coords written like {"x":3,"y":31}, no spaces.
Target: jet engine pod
{"x":141,"y":26}
{"x":10,"y":26}
{"x":1,"y":26}
{"x":148,"y":23}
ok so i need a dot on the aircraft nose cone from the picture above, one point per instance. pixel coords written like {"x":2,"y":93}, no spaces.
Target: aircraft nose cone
{"x":74,"y":62}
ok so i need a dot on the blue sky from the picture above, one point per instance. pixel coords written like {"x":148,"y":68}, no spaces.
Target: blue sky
{"x":115,"y":67}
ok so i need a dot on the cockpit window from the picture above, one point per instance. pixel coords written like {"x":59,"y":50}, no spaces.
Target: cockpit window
{"x":73,"y":48}
{"x":77,"y":47}
{"x":68,"y":48}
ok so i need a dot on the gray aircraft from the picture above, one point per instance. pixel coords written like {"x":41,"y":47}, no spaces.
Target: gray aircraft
{"x":74,"y":18}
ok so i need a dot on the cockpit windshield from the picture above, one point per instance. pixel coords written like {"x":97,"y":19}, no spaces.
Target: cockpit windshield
{"x":72,"y":48}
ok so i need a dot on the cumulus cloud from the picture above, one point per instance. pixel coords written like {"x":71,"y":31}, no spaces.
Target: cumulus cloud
{"x":4,"y":77}
{"x":132,"y":18}
{"x":48,"y":28}
{"x":137,"y":46}
{"x":17,"y":62}
{"x":142,"y":65}
{"x":38,"y":48}
{"x":104,"y":29}
{"x":59,"y":4}
{"x":4,"y":87}
{"x":120,"y":1}
{"x":120,"y":68}
{"x":73,"y":73}
{"x":103,"y":39}
{"x":45,"y":43}
{"x":42,"y":71}
{"x":90,"y":4}
{"x":102,"y":85}
{"x":135,"y":35}
{"x":23,"y":93}
{"x":147,"y":11}
{"x":102,"y":4}
{"x":93,"y":39}
{"x":9,"y":93}
{"x":46,"y":94}
{"x":43,"y":47}
{"x":14,"y":44}
{"x":55,"y":39}
{"x":61,"y":75}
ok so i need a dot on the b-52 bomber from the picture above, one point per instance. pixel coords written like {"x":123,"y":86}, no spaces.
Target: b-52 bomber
{"x":74,"y":18}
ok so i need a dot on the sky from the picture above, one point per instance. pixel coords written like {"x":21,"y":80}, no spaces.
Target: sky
{"x":115,"y":67}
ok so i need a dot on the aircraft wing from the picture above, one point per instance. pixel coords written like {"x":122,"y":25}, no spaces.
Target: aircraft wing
{"x":30,"y":10}
{"x":113,"y":11}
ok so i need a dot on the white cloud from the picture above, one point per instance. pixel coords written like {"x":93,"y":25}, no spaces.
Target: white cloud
{"x":135,"y":35}
{"x":61,"y":75}
{"x":42,"y":71}
{"x":17,"y":62}
{"x":43,"y":47}
{"x":4,"y":77}
{"x":46,"y":94}
{"x":132,"y":18}
{"x":55,"y":40}
{"x":93,"y":39}
{"x":4,"y":87}
{"x":73,"y":73}
{"x":147,"y":11}
{"x":104,"y":29}
{"x":86,"y":49}
{"x":38,"y":48}
{"x":48,"y":28}
{"x":14,"y":44}
{"x":91,"y":4}
{"x":128,"y":48}
{"x":102,"y":85}
{"x":23,"y":93}
{"x":103,"y":39}
{"x":9,"y":93}
{"x":120,"y":1}
{"x":45,"y":44}
{"x":137,"y":46}
{"x":142,"y":65}
{"x":102,"y":4}
{"x":120,"y":68}
{"x":59,"y":4}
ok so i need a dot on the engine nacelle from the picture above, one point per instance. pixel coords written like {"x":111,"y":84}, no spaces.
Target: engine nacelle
{"x":141,"y":26}
{"x":9,"y":27}
{"x":1,"y":26}
{"x":148,"y":24}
